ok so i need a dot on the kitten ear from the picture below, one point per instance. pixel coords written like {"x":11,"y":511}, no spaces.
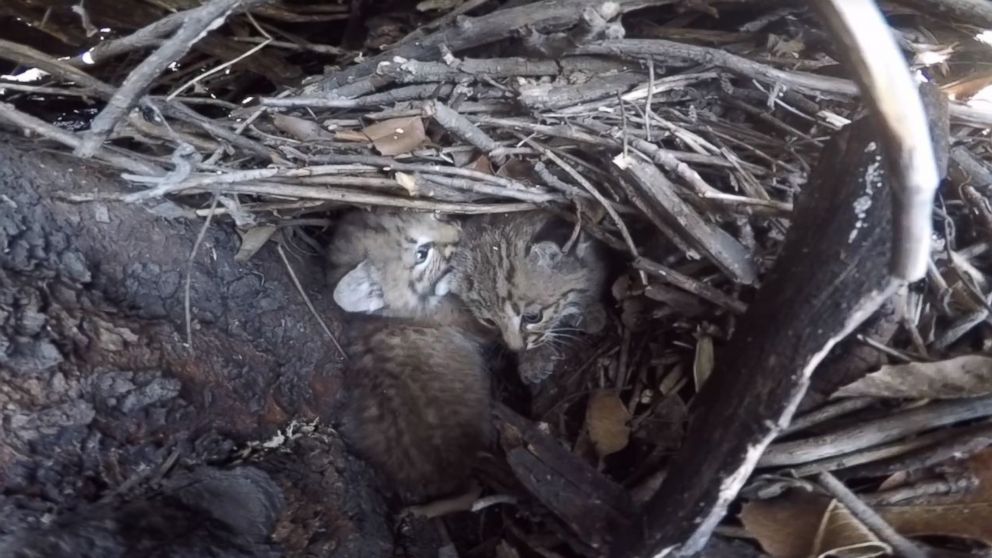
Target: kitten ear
{"x":359,"y":290}
{"x":545,"y":253}
{"x":585,"y":245}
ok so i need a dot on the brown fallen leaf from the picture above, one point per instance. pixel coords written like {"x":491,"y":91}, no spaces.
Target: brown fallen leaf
{"x":607,"y":421}
{"x":963,"y":376}
{"x":481,"y":164}
{"x":964,"y":89}
{"x":702,"y":365}
{"x":800,"y":524}
{"x":300,"y":128}
{"x":397,"y":135}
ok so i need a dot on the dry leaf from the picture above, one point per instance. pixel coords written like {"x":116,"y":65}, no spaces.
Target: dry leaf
{"x":397,"y":135}
{"x":963,"y":376}
{"x":785,"y":527}
{"x":702,"y":366}
{"x":606,"y":422}
{"x":300,"y":128}
{"x":842,"y":534}
{"x":520,"y":170}
{"x":252,"y":240}
{"x":964,"y":89}
{"x":481,"y":164}
{"x":786,"y":47}
{"x":800,"y":524}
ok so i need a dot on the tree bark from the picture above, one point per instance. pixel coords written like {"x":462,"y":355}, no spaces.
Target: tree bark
{"x":99,"y":394}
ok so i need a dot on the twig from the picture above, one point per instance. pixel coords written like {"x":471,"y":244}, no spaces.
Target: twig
{"x":903,"y":546}
{"x":219,"y":68}
{"x":306,"y":300}
{"x":487,"y":190}
{"x":827,"y":412}
{"x":717,"y":245}
{"x":187,"y":306}
{"x":332,"y":194}
{"x":669,"y":50}
{"x":196,"y":23}
{"x":592,"y":190}
{"x":35,"y":58}
{"x":891,"y":427}
{"x":647,"y":102}
{"x":971,"y":12}
{"x":147,"y":36}
{"x":464,"y":129}
{"x":44,"y":129}
{"x":409,"y":93}
{"x":682,"y":281}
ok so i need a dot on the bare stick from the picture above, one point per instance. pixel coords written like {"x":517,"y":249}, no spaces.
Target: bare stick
{"x":891,"y":427}
{"x":892,"y":95}
{"x":187,"y":306}
{"x":667,"y":50}
{"x":464,"y":129}
{"x":306,"y":300}
{"x":219,"y":68}
{"x":698,"y":288}
{"x":971,"y":12}
{"x":592,"y":190}
{"x":197,"y":23}
{"x":802,"y":81}
{"x":44,"y":129}
{"x":903,"y":546}
{"x":35,"y":58}
{"x":147,"y":36}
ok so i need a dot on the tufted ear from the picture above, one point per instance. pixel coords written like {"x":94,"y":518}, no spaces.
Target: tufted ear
{"x":585,"y":245}
{"x":359,"y":290}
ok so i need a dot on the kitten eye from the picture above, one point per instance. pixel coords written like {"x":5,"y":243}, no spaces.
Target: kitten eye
{"x":532,"y":317}
{"x":423,"y":251}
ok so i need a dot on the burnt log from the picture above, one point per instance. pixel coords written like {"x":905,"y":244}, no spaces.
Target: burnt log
{"x":102,"y":402}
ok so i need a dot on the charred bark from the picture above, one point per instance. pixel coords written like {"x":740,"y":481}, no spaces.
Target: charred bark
{"x":101,"y":400}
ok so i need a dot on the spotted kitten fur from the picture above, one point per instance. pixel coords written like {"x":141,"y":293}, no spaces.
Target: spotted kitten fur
{"x":514,"y":275}
{"x":391,"y":263}
{"x":418,"y":404}
{"x":416,"y":395}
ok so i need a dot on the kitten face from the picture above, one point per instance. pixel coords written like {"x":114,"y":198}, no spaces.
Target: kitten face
{"x":513,"y":274}
{"x":391,"y":263}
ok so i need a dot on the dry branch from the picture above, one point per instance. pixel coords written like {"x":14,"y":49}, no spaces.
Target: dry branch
{"x":196,"y":23}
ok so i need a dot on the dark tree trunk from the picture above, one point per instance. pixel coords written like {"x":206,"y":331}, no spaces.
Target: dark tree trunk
{"x":99,"y":394}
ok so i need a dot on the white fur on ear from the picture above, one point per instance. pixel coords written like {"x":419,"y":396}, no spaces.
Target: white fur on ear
{"x":359,"y":290}
{"x":545,"y":253}
{"x":584,"y":245}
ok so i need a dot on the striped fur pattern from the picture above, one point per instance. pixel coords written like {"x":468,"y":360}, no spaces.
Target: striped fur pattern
{"x":418,"y":404}
{"x":391,"y":263}
{"x":515,"y":275}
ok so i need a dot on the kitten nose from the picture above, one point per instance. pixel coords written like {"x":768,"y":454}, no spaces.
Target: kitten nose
{"x":513,"y":339}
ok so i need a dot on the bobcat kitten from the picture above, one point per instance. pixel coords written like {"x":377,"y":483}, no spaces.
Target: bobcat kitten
{"x":418,"y":404}
{"x":416,"y":391}
{"x":391,"y":263}
{"x":514,"y":274}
